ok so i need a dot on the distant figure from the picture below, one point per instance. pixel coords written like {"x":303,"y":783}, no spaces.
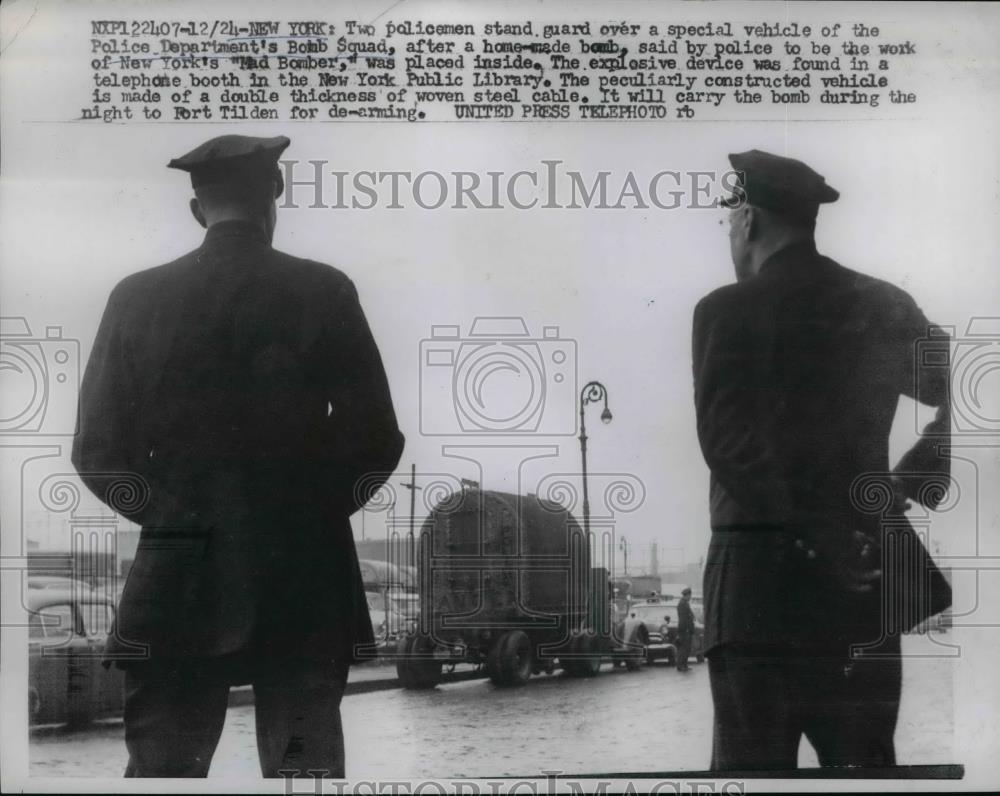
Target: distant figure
{"x":798,"y":369}
{"x":685,"y":630}
{"x":238,"y":393}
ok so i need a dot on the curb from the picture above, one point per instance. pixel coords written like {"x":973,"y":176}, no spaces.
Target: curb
{"x":243,"y":695}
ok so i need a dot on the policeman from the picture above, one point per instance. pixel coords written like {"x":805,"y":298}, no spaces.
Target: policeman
{"x":235,"y":405}
{"x":685,"y":630}
{"x":798,"y":368}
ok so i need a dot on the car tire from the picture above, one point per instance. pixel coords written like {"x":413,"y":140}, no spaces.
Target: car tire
{"x":404,"y":671}
{"x":509,"y":661}
{"x":635,"y":657}
{"x":587,"y":660}
{"x":417,"y":675}
{"x":569,"y":665}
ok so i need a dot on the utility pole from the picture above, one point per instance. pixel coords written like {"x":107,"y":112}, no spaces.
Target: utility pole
{"x":412,"y":486}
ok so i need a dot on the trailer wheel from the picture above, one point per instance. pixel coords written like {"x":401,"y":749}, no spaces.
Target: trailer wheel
{"x":415,"y":674}
{"x":509,"y":661}
{"x":569,"y":664}
{"x":587,"y":660}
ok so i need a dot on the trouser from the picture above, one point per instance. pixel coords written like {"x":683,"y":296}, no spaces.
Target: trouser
{"x":174,"y":713}
{"x":683,"y":650}
{"x":765,"y":702}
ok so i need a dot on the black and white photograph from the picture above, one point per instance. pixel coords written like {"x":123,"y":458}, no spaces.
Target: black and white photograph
{"x":426,"y":396}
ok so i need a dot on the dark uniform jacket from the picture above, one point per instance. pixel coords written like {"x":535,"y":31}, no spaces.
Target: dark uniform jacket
{"x":232,"y":402}
{"x":797,"y":374}
{"x":685,"y":618}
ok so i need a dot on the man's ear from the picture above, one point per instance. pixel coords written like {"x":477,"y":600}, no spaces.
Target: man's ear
{"x":199,"y":216}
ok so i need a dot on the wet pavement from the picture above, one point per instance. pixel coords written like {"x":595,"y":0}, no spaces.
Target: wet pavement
{"x":653,"y":719}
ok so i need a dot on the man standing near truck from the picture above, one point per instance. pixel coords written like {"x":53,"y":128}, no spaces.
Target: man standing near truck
{"x":685,"y":630}
{"x":236,"y":407}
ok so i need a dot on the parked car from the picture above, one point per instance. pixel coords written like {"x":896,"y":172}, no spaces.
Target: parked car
{"x":939,"y":623}
{"x":660,"y":620}
{"x":671,"y":593}
{"x":379,"y":575}
{"x":57,"y":582}
{"x":67,"y":632}
{"x":406,"y":603}
{"x":391,"y":615}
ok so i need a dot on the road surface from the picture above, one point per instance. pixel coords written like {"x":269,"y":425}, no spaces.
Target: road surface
{"x":653,"y":719}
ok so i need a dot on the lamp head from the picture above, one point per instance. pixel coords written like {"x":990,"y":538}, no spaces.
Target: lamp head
{"x":606,"y":415}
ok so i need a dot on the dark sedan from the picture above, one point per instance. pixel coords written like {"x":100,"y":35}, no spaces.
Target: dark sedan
{"x":660,"y":621}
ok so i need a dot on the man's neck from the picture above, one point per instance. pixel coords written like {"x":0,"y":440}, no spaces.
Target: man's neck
{"x":767,"y":248}
{"x":259,"y":225}
{"x":222,"y":217}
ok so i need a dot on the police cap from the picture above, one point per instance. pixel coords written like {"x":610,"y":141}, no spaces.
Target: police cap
{"x":234,"y":159}
{"x":777,"y":183}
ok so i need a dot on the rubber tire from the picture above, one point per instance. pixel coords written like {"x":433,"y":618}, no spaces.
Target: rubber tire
{"x":700,"y":646}
{"x":569,"y":666}
{"x":510,"y":662}
{"x":588,"y":664}
{"x":404,"y":671}
{"x":635,"y":659}
{"x":417,"y":675}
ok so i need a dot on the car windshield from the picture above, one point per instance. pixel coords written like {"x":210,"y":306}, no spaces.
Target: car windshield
{"x":376,"y":600}
{"x":405,"y":604}
{"x":52,"y":622}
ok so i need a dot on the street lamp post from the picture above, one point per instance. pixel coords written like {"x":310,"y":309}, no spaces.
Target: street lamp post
{"x":591,"y":393}
{"x":623,"y":546}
